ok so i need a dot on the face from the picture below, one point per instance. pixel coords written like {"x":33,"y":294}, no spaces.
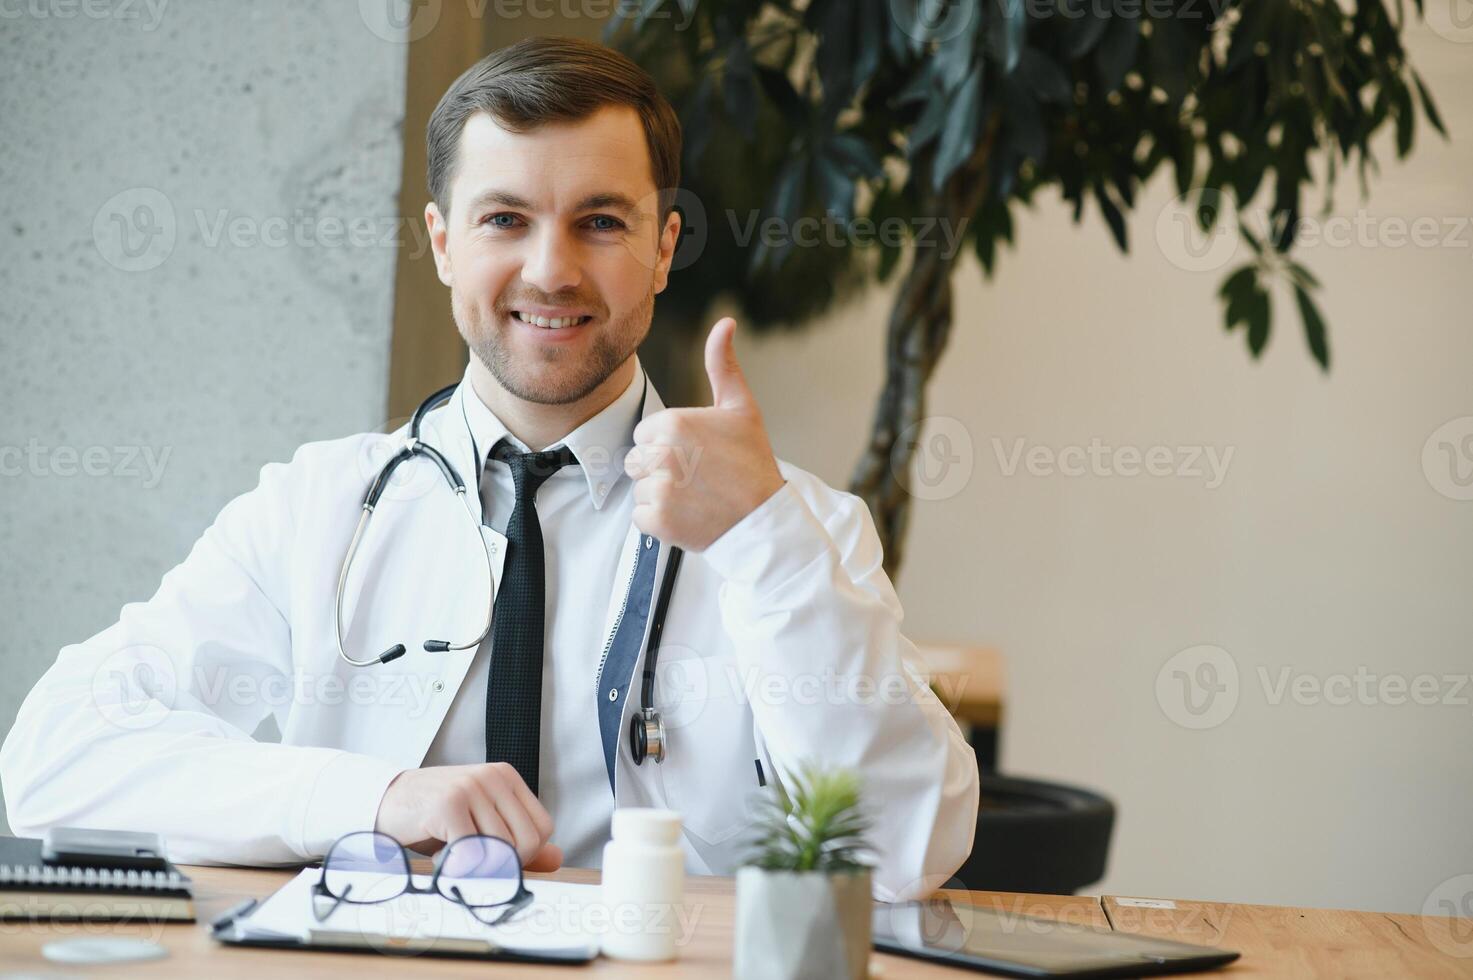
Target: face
{"x":553,"y":250}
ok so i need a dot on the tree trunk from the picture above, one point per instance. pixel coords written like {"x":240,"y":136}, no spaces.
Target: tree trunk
{"x":920,"y":324}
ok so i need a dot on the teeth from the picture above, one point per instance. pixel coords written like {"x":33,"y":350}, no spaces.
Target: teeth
{"x":551,"y":323}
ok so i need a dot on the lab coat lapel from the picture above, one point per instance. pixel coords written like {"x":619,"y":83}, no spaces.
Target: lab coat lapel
{"x":623,"y":761}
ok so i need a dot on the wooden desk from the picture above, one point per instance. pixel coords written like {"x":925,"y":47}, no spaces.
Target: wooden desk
{"x":1278,"y":941}
{"x":968,"y":680}
{"x":1275,"y":942}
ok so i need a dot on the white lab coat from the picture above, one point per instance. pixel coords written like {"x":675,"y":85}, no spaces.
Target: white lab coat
{"x":782,"y":644}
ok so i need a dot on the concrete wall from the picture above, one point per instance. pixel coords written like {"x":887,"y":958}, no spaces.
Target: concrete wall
{"x":1327,"y":550}
{"x":197,"y":267}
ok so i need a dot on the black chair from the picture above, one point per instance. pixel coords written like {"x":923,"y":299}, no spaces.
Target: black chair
{"x":1038,"y":837}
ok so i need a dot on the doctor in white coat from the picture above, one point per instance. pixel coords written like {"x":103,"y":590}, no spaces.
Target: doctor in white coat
{"x":782,"y":643}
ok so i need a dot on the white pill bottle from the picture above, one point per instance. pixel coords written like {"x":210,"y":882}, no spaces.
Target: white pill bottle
{"x":643,"y":884}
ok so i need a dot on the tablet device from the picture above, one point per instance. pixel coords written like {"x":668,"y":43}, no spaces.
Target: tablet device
{"x":1011,"y":945}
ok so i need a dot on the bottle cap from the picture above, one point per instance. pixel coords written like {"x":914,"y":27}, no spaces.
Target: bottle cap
{"x":643,"y":825}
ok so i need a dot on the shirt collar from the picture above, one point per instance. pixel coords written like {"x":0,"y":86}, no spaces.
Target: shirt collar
{"x":600,"y":444}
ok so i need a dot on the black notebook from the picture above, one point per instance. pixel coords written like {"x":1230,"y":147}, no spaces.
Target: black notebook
{"x":33,"y":889}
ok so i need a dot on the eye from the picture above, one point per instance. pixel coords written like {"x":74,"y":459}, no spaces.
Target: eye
{"x":606,"y":222}
{"x":501,"y":219}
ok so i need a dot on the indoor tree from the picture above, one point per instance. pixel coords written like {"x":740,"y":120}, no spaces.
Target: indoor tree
{"x":939,"y":116}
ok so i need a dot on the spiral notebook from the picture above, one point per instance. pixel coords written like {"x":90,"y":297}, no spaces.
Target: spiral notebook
{"x":33,"y":889}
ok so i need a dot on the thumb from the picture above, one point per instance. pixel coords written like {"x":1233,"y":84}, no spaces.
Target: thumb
{"x":728,"y":384}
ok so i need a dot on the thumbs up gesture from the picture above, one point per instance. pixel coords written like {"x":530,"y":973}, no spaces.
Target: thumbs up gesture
{"x":698,"y":471}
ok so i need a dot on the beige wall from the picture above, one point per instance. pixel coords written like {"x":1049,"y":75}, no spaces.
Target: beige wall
{"x":1325,"y":549}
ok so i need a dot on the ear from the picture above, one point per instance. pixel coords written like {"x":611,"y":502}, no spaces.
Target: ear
{"x":435,"y":222}
{"x":669,"y":238}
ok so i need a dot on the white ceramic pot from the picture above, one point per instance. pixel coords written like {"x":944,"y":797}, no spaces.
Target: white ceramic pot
{"x":802,"y":924}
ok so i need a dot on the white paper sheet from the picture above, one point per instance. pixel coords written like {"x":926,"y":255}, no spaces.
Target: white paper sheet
{"x":562,"y":917}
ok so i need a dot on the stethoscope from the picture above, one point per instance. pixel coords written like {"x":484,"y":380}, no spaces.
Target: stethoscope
{"x":646,"y":728}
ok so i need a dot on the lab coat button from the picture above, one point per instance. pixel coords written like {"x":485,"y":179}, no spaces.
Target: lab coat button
{"x":613,"y":694}
{"x":438,"y":686}
{"x":649,"y":542}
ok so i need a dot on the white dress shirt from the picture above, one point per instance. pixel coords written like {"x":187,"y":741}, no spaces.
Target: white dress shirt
{"x":585,"y":512}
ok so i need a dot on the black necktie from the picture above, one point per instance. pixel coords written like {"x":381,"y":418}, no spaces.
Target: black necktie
{"x":514,"y":685}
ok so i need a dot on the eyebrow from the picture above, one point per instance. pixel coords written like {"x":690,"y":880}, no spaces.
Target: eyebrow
{"x":603,"y":201}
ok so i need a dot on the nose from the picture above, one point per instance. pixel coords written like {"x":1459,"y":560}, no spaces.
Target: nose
{"x":552,"y":261}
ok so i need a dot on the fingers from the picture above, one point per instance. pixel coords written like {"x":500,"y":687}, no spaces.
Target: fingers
{"x":550,"y":858}
{"x":506,"y":808}
{"x":521,"y":832}
{"x":541,"y":819}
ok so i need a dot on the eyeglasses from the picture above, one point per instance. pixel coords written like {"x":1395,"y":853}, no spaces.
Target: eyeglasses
{"x":477,"y":872}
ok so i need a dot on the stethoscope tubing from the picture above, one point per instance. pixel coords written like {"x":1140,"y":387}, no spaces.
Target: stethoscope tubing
{"x":413,"y":447}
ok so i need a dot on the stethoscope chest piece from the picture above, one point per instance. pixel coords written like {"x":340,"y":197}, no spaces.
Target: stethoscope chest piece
{"x":647,"y":736}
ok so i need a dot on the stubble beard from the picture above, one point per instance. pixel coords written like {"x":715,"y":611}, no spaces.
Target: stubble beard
{"x":580,"y":373}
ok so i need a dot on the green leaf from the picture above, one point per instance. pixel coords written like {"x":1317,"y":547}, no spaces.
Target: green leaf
{"x":1258,"y":322}
{"x":1113,"y":217}
{"x":953,"y":60}
{"x":737,"y":90}
{"x":1303,"y":275}
{"x":963,"y":127}
{"x":1406,"y":120}
{"x":817,"y":826}
{"x":787,"y":199}
{"x":1250,"y":238}
{"x":928,"y":127}
{"x":1082,"y":29}
{"x":1047,"y":80}
{"x":1314,"y":327}
{"x":835,"y":57}
{"x":1014,"y":26}
{"x":869,"y":39}
{"x":783,"y":96}
{"x":1428,"y":106}
{"x":1239,"y":283}
{"x":1116,"y":52}
{"x":855,"y":155}
{"x":837,"y":188}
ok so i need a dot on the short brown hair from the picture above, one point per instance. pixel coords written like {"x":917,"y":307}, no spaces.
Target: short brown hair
{"x":552,"y":79}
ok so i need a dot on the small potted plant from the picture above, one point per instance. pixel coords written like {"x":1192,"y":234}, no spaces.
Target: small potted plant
{"x":803,"y":897}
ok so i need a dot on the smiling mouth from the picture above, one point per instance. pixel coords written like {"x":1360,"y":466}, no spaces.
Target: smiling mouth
{"x":550,"y":323}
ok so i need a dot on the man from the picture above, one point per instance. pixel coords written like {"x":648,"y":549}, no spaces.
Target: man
{"x":552,"y":165}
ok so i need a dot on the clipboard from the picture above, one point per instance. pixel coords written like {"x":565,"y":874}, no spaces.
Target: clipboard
{"x":236,"y":928}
